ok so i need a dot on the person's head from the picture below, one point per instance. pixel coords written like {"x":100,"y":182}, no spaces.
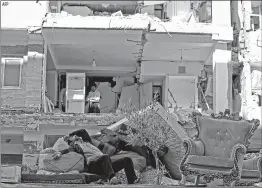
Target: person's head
{"x":93,"y":87}
{"x":83,"y":134}
{"x":67,"y":139}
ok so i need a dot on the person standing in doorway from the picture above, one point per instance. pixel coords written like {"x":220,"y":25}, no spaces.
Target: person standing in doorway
{"x":62,"y":98}
{"x":93,"y":100}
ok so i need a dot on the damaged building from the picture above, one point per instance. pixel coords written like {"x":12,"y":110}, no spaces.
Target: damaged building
{"x":182,"y":54}
{"x":138,"y":51}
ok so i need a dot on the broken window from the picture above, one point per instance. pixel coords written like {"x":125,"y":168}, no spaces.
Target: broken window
{"x":11,"y":72}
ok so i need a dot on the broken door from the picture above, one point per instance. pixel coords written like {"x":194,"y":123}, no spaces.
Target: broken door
{"x":182,"y":92}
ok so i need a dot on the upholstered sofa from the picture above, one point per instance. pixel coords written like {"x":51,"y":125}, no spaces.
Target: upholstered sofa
{"x":218,"y":149}
{"x":251,"y":170}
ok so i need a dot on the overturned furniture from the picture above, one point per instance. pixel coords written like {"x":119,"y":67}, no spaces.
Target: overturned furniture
{"x":251,"y":171}
{"x":217,"y":151}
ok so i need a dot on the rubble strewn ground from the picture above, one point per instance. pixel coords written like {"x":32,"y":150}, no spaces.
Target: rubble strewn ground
{"x":102,"y":186}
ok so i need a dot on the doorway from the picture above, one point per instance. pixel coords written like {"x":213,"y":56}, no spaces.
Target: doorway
{"x":104,"y":86}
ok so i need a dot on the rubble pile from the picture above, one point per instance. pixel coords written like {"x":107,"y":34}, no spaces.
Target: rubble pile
{"x":137,"y":21}
{"x":17,"y":119}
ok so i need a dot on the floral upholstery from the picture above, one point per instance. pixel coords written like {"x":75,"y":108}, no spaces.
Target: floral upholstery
{"x":218,"y":149}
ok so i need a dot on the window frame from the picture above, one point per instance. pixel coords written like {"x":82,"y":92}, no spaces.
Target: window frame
{"x":257,"y":15}
{"x":3,"y":63}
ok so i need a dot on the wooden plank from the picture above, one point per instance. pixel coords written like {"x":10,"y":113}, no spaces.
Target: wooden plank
{"x":12,"y":139}
{"x":11,"y":159}
{"x":12,"y":148}
{"x":116,"y":125}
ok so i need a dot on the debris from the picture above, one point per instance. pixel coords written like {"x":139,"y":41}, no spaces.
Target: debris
{"x":118,"y":13}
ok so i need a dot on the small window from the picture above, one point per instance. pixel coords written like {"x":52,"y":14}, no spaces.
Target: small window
{"x":11,"y":73}
{"x":181,"y":69}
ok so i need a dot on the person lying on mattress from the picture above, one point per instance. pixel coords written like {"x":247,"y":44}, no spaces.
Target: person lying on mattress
{"x":119,"y":141}
{"x":96,"y":161}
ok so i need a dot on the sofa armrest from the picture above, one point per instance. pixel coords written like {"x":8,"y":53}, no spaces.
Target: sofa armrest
{"x":194,"y":147}
{"x":238,"y":152}
{"x":254,"y":163}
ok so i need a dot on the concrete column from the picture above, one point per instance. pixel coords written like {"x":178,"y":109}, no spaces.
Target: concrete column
{"x":221,"y":80}
{"x":246,"y":92}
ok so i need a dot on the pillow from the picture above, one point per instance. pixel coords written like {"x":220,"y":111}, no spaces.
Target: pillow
{"x":66,"y":163}
{"x":60,"y":145}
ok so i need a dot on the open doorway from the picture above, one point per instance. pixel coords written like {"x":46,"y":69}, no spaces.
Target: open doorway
{"x":108,"y":101}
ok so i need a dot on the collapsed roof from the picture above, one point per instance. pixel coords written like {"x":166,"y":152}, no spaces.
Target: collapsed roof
{"x":130,"y":22}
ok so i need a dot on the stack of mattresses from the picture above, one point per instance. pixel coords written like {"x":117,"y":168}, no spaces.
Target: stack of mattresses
{"x":12,"y":147}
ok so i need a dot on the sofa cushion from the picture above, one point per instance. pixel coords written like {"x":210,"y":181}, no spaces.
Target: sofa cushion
{"x":220,"y":135}
{"x":250,"y":174}
{"x":210,"y":161}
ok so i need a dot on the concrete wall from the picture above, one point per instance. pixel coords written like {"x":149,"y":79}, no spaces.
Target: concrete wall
{"x":29,"y":95}
{"x":108,"y":101}
{"x":15,"y":97}
{"x":170,"y":68}
{"x":122,"y":82}
{"x":52,"y":86}
{"x":183,"y":90}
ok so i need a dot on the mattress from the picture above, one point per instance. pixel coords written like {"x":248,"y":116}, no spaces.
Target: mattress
{"x":82,"y":178}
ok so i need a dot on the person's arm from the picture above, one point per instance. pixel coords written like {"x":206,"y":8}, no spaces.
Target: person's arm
{"x":96,"y":98}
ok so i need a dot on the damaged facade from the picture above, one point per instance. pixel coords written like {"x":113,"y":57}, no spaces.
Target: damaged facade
{"x":176,"y":53}
{"x":160,"y":48}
